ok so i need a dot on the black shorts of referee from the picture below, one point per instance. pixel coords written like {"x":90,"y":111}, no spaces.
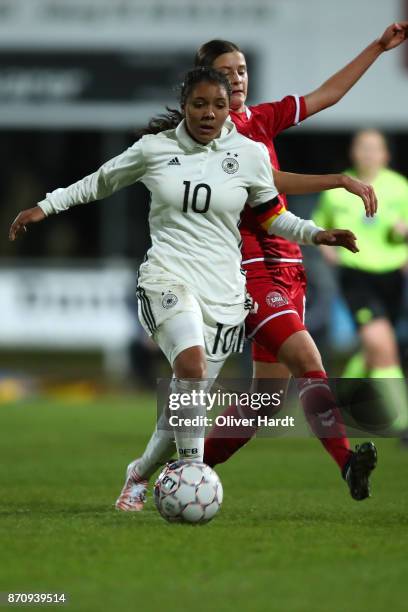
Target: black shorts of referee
{"x":372,"y":296}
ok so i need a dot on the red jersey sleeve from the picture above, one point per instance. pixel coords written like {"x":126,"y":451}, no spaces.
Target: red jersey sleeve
{"x":281,"y":115}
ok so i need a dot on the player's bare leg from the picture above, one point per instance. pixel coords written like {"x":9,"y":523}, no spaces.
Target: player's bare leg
{"x":161,"y":446}
{"x":300,"y":356}
{"x":379,"y":344}
{"x":219,"y":444}
{"x":382,"y":361}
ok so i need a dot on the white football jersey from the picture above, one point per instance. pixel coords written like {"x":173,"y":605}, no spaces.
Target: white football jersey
{"x":198,"y":192}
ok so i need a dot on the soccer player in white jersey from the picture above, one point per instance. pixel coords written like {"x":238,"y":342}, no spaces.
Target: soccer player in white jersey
{"x":191,"y":290}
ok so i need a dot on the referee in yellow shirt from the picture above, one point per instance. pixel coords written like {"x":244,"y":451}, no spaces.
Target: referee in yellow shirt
{"x":372,"y":280}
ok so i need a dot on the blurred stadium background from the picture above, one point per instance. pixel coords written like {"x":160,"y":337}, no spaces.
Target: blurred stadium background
{"x":77,"y":77}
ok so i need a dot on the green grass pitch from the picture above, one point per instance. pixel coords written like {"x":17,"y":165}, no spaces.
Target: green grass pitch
{"x":289,"y":537}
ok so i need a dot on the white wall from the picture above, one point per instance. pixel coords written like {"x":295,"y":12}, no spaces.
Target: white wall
{"x":298,"y":43}
{"x":317,"y":37}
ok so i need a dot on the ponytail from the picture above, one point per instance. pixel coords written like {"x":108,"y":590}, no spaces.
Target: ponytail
{"x":161,"y":123}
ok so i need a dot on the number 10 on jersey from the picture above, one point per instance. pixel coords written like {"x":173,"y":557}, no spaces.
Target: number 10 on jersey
{"x":194,"y":205}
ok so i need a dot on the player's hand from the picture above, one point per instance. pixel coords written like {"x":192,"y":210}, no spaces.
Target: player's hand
{"x":394,"y":35}
{"x":24,"y":218}
{"x":365,"y":192}
{"x":337,"y":237}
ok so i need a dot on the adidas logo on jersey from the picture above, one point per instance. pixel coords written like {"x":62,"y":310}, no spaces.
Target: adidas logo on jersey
{"x":174,"y":162}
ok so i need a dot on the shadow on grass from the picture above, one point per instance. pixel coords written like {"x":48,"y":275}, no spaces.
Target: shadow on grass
{"x":89,"y":511}
{"x":362,"y":513}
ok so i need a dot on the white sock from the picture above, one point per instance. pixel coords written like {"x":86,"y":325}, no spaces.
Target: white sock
{"x":158,"y":451}
{"x":161,"y":446}
{"x":190,"y":438}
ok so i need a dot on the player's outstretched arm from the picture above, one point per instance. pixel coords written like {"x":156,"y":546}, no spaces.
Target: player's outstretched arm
{"x":121,"y":171}
{"x":296,"y":184}
{"x":24,"y":218}
{"x":332,"y":90}
{"x":275,"y":219}
{"x":337,"y":237}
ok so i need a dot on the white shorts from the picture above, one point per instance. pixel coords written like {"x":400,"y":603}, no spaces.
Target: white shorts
{"x":193,"y":322}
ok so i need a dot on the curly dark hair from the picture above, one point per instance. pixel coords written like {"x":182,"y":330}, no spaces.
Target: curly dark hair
{"x":171,"y":119}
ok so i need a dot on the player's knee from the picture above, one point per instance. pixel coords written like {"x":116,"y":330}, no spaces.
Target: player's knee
{"x":191,"y":363}
{"x":195,"y":370}
{"x":379,"y":341}
{"x":192,"y":369}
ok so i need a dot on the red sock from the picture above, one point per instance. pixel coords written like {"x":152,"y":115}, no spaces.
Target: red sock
{"x":323,"y":416}
{"x":224,"y":440}
{"x":317,"y":399}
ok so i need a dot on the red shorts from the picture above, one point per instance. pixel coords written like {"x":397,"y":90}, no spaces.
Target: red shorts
{"x":279,"y":293}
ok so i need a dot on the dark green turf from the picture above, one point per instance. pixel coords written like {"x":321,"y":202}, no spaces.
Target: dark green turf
{"x":289,"y":537}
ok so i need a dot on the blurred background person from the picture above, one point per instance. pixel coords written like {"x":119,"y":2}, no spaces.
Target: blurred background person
{"x":372,"y":281}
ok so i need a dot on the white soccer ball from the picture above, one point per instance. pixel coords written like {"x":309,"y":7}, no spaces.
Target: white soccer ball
{"x":188,"y":492}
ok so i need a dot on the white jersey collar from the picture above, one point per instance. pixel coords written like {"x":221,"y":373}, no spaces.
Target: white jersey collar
{"x":223,"y":141}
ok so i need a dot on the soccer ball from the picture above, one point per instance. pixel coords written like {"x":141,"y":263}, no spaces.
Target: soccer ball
{"x":188,"y":492}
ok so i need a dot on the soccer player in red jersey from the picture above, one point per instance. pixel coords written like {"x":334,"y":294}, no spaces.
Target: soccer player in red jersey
{"x":275,"y":276}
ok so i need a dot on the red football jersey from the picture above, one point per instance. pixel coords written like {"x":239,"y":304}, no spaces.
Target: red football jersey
{"x":262,"y":123}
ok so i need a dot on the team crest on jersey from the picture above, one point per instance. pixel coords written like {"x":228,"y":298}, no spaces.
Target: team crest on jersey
{"x":275,"y":299}
{"x":230,"y":165}
{"x":169,"y":300}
